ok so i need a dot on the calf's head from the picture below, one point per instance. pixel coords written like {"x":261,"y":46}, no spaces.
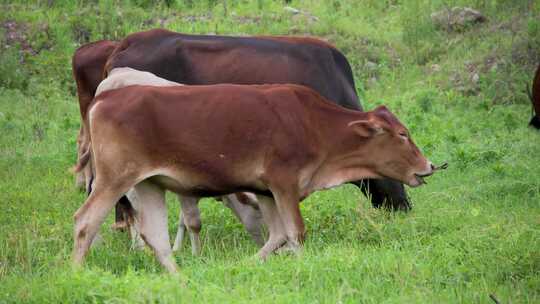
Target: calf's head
{"x":391,"y":151}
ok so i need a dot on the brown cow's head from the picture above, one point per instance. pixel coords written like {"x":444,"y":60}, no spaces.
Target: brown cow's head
{"x":391,"y":150}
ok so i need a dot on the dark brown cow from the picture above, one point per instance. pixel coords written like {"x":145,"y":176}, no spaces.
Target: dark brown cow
{"x":220,"y":139}
{"x":197,"y":59}
{"x":535,"y":99}
{"x":87,"y":65}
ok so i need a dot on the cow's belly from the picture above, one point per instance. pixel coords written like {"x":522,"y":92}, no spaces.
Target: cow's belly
{"x":202,"y":183}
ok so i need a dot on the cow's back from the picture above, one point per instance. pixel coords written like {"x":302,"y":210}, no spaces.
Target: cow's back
{"x":242,"y":118}
{"x":123,"y":77}
{"x":88,"y":64}
{"x":200,"y":60}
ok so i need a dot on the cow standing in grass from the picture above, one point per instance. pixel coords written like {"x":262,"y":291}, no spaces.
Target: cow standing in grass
{"x":262,"y":139}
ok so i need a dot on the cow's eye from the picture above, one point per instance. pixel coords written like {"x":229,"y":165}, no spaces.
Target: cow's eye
{"x":403,"y":134}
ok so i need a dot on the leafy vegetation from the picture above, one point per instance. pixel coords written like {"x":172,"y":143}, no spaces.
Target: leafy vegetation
{"x":474,"y":230}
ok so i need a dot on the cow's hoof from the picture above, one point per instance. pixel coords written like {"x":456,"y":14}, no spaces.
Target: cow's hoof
{"x":120,"y":226}
{"x":535,"y":122}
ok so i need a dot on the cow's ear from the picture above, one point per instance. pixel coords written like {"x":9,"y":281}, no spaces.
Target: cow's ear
{"x":366,"y":127}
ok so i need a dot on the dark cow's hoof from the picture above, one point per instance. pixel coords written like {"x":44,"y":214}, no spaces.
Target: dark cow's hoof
{"x":535,"y":122}
{"x":119,"y":226}
{"x":401,"y":205}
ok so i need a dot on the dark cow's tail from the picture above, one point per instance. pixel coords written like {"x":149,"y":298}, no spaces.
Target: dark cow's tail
{"x":351,"y":99}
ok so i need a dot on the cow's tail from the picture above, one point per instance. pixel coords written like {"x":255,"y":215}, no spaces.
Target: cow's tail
{"x":535,"y":120}
{"x":83,"y":160}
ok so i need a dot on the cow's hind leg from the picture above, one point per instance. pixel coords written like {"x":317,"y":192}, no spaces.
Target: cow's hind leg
{"x":89,"y":218}
{"x":288,"y":207}
{"x":247,"y":214}
{"x":277,"y":235}
{"x":151,"y":213}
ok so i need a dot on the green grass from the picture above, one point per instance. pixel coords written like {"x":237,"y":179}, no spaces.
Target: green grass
{"x":474,"y":230}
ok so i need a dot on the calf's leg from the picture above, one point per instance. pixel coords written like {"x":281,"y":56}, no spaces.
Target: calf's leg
{"x":180,"y":232}
{"x":151,"y":214}
{"x":277,"y":235}
{"x":289,"y":210}
{"x":190,"y":218}
{"x":250,"y":217}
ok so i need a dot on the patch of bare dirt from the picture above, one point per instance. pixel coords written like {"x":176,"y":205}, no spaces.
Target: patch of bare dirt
{"x":15,"y":34}
{"x":19,"y":33}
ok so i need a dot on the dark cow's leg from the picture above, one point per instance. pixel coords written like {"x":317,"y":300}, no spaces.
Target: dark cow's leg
{"x":385,"y":193}
{"x":535,"y":122}
{"x":124,"y":213}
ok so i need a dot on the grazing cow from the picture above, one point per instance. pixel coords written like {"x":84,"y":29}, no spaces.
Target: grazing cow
{"x":220,"y":139}
{"x":198,"y":59}
{"x":535,"y":99}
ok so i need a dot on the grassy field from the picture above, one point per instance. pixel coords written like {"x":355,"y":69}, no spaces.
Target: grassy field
{"x":474,"y":230}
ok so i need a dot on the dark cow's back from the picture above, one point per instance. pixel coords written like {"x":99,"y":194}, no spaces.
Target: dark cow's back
{"x":200,"y":59}
{"x":88,"y":64}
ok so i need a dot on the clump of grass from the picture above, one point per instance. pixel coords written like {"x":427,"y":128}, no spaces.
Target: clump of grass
{"x":12,"y":74}
{"x":419,"y":33}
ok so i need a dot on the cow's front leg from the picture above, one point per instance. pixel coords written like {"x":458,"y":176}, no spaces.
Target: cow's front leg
{"x":277,"y":236}
{"x":289,"y":210}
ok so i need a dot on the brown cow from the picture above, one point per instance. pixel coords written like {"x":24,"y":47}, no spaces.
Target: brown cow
{"x":214,"y":140}
{"x":200,"y":59}
{"x":535,"y":99}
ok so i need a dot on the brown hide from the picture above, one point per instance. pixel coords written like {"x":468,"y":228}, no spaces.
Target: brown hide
{"x":234,"y":138}
{"x":88,"y":64}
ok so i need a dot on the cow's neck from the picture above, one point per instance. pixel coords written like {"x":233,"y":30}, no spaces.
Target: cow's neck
{"x":345,"y":160}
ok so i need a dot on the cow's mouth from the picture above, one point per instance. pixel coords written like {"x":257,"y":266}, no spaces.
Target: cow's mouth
{"x":420,"y":176}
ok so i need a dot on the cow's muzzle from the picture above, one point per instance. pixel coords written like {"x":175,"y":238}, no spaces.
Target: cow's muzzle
{"x":420,"y":177}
